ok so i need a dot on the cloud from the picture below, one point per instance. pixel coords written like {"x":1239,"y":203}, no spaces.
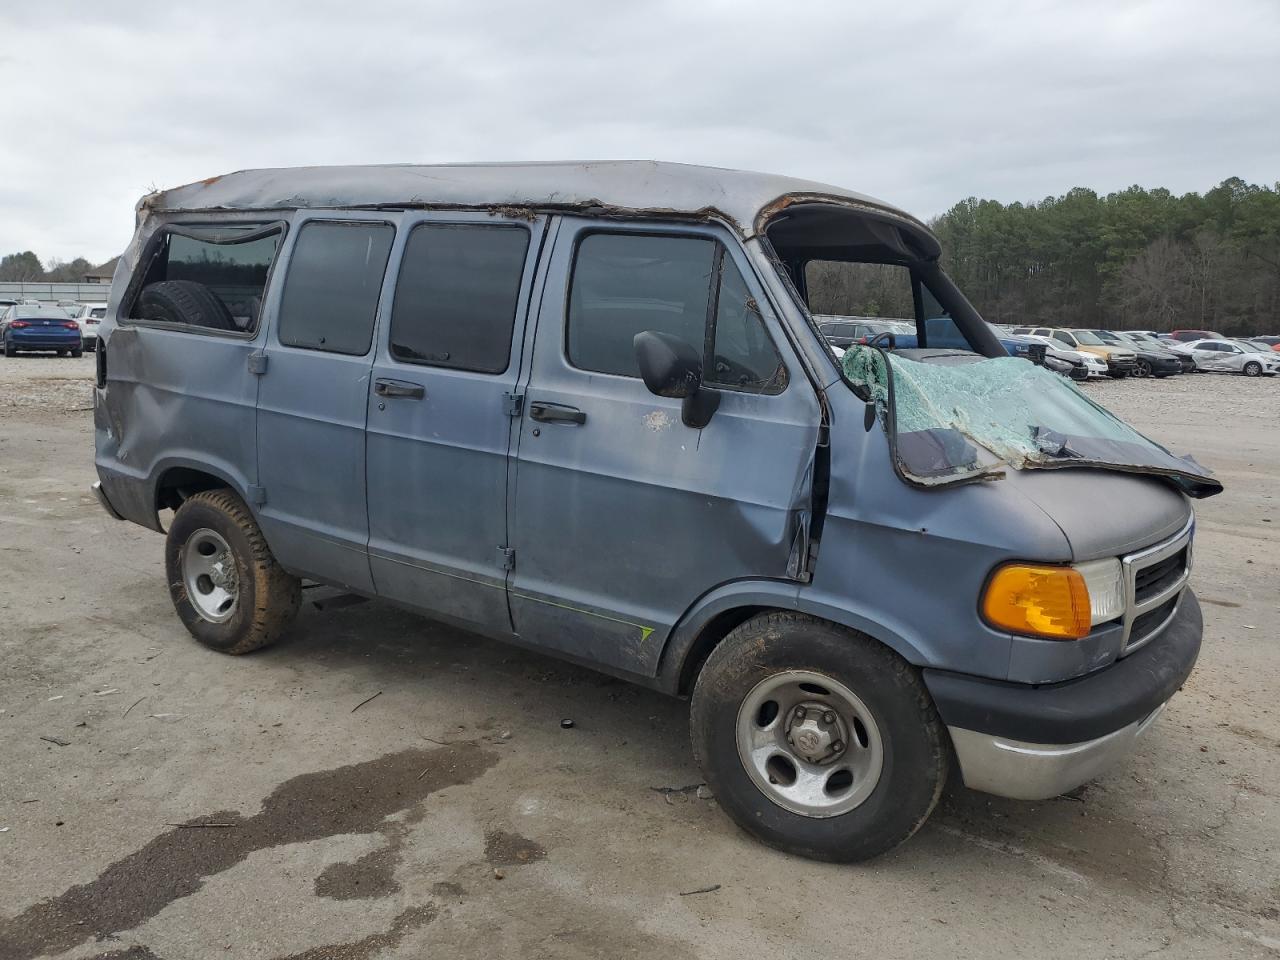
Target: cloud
{"x":922,"y":103}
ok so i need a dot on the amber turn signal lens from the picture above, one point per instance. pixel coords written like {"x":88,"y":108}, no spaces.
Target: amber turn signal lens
{"x":1041,"y":601}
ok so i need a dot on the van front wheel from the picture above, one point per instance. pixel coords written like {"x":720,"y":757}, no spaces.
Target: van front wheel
{"x":225,"y":584}
{"x":817,"y":739}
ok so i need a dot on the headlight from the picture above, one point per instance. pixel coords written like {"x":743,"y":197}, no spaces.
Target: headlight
{"x":1060,"y":603}
{"x":1105,"y":583}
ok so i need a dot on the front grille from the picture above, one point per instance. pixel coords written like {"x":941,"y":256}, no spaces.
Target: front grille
{"x":1149,"y":623}
{"x":1154,"y":581}
{"x":1149,"y":581}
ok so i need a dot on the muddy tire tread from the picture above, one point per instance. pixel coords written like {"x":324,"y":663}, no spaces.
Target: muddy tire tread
{"x":277,"y":594}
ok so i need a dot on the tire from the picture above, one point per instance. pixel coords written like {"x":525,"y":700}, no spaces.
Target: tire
{"x":184,"y":301}
{"x":1252,"y":369}
{"x":8,"y":349}
{"x":1118,"y":374}
{"x":913,"y":746}
{"x":266,"y":597}
{"x":77,"y":352}
{"x":1143,"y":369}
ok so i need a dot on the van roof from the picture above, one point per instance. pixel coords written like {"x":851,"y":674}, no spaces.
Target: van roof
{"x":747,"y":200}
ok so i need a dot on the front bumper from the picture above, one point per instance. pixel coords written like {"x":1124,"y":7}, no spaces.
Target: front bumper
{"x":1033,"y":741}
{"x":1123,"y":365}
{"x":1037,"y":771}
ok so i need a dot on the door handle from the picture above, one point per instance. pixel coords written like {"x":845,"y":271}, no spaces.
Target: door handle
{"x":399,"y":388}
{"x":556,"y":413}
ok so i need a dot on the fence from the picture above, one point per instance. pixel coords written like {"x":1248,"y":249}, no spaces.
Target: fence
{"x":80,"y":292}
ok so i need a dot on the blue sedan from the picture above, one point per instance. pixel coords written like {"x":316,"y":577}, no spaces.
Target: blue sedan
{"x":39,"y":326}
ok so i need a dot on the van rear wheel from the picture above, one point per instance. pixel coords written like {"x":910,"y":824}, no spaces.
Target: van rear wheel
{"x":816,"y":739}
{"x":226,"y":586}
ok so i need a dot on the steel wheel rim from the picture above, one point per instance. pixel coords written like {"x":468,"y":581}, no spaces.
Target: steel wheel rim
{"x":778,"y":748}
{"x":210,"y":576}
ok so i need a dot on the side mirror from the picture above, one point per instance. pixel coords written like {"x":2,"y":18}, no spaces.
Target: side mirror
{"x":670,"y":367}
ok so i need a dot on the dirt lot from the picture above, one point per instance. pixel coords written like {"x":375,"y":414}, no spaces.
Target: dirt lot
{"x":452,"y":816}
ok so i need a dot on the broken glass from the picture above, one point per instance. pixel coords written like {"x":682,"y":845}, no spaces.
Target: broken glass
{"x":958,"y":417}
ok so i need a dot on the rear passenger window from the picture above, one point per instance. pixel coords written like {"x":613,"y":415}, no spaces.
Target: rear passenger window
{"x":457,"y":295}
{"x":330,"y":295}
{"x":208,"y":277}
{"x":625,"y":284}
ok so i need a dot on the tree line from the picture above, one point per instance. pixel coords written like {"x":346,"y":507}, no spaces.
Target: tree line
{"x":26,"y":266}
{"x":1133,"y":260}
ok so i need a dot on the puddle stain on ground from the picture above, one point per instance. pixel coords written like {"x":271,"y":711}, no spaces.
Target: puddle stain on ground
{"x":510,"y":849}
{"x":350,"y":799}
{"x":372,"y":875}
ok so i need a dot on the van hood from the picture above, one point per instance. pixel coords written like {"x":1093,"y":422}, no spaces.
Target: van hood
{"x":1105,"y":514}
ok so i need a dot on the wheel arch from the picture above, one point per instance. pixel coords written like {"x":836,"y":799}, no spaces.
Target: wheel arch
{"x":175,"y":479}
{"x":717,"y":613}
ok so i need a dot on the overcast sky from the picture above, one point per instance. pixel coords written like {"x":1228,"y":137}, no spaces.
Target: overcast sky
{"x":921,"y":103}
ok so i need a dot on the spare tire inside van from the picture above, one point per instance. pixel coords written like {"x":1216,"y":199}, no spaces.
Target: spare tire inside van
{"x":184,"y":301}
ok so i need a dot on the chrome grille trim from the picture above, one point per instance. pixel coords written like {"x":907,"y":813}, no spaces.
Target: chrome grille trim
{"x":1131,"y":565}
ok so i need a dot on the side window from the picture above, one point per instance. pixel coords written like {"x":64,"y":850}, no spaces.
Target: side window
{"x":457,"y":294}
{"x":205,"y":277}
{"x":330,"y":295}
{"x":624,"y":284}
{"x":1064,"y":337}
{"x":743,"y":356}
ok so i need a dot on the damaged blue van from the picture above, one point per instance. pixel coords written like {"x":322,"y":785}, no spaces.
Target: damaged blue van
{"x":585,"y":408}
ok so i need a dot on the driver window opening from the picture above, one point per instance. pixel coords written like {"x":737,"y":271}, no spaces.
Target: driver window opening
{"x":865,"y":278}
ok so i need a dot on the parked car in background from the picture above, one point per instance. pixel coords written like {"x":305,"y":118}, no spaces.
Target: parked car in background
{"x":1153,"y":361}
{"x":1227,"y":356}
{"x":843,"y":332}
{"x":1121,"y":361}
{"x":1186,"y":336}
{"x":1272,"y":342}
{"x":39,"y":326}
{"x":1186,"y":361}
{"x":1258,"y":342}
{"x":89,"y":316}
{"x":1091,"y":365}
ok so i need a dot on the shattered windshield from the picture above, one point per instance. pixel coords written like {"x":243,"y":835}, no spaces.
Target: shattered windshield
{"x":966,"y":418}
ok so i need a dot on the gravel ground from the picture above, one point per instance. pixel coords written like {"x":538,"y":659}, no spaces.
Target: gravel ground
{"x":451,"y":815}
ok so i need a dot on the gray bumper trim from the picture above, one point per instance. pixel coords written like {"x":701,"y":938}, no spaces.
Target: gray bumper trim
{"x":102,"y":499}
{"x":1037,"y":771}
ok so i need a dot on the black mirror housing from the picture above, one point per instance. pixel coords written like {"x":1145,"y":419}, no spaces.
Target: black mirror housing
{"x":670,"y":367}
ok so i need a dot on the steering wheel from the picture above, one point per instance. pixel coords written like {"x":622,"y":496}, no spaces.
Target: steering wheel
{"x":881,"y":337}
